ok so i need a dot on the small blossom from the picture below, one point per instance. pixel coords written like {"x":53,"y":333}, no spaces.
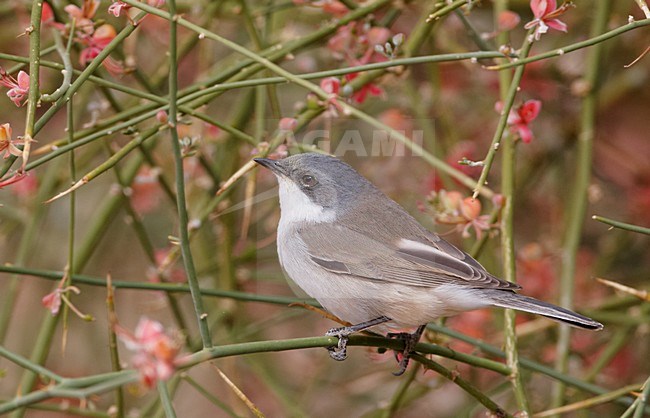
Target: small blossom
{"x":288,"y":124}
{"x":520,"y":118}
{"x":96,"y":43}
{"x":83,"y":17}
{"x":546,"y":13}
{"x":117,"y":7}
{"x":450,"y":208}
{"x":360,"y":95}
{"x":52,"y":301}
{"x":7,"y":145}
{"x":162,"y":116}
{"x":330,"y":85}
{"x":18,"y":88}
{"x":156,"y":353}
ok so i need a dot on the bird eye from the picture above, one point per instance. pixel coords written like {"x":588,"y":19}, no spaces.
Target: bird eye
{"x":308,"y":181}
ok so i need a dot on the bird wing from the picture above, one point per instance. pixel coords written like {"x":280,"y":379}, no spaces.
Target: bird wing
{"x":428,"y":262}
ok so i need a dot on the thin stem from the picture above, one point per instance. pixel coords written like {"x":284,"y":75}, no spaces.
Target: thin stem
{"x":463,"y":384}
{"x":165,"y":399}
{"x":183,"y":218}
{"x":578,"y":199}
{"x":508,"y":173}
{"x":528,"y":364}
{"x":34,"y":31}
{"x":622,"y":225}
{"x":592,"y":41}
{"x":29,"y":365}
{"x":643,"y":399}
{"x":67,"y":71}
{"x":588,"y":403}
{"x":503,"y":120}
{"x":401,"y":391}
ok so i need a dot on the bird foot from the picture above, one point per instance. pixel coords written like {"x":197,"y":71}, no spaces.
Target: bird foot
{"x":410,"y":341}
{"x":339,"y":352}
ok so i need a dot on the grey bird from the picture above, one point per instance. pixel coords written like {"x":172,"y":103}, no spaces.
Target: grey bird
{"x":369,"y":262}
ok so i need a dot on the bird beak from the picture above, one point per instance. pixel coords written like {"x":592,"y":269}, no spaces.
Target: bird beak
{"x":274,"y":165}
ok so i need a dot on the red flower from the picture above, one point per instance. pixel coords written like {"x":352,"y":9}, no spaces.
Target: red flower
{"x":361,"y":94}
{"x":330,"y":85}
{"x":546,"y":12}
{"x":521,"y":117}
{"x":18,"y":88}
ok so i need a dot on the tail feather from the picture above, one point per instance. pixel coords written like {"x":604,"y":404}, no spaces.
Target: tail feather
{"x":511,"y":300}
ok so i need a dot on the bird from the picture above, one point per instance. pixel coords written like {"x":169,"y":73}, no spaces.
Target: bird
{"x":366,"y":260}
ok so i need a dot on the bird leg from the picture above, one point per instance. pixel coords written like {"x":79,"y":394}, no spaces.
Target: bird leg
{"x":410,"y":341}
{"x":339,"y":352}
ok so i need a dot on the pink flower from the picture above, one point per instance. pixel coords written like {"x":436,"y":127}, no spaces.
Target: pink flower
{"x":155,"y":352}
{"x":330,"y":85}
{"x":546,"y":12}
{"x":117,"y":7}
{"x":450,"y":208}
{"x":95,"y":44}
{"x":7,"y":145}
{"x":18,"y":89}
{"x":83,"y":17}
{"x":520,"y":118}
{"x":287,"y":124}
{"x":52,"y":301}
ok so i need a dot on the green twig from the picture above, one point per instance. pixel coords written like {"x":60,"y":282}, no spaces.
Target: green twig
{"x":165,"y":399}
{"x":503,"y":119}
{"x":67,"y":71}
{"x":463,"y":384}
{"x":578,"y":199}
{"x":622,"y":225}
{"x":592,"y":41}
{"x":183,"y":218}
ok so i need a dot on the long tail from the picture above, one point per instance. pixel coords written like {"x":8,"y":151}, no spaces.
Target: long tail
{"x":507,"y":299}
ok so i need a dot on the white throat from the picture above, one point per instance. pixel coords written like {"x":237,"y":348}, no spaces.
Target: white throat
{"x":295,"y":206}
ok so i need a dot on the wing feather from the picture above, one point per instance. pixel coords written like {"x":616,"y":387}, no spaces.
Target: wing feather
{"x":429,"y":262}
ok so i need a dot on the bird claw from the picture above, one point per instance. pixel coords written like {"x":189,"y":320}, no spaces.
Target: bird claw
{"x":410,"y":341}
{"x":339,"y":352}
